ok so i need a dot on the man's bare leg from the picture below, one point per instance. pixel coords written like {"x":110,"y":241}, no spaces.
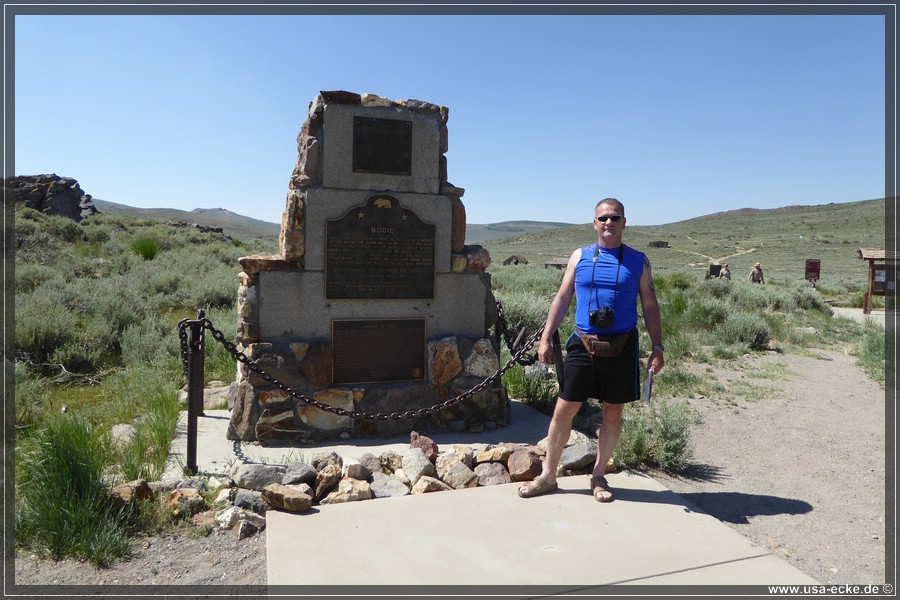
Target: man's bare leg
{"x":609,"y":433}
{"x":557,"y":436}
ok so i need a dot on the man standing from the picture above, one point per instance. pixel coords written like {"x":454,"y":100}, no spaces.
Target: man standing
{"x":602,"y":359}
{"x":756,"y":274}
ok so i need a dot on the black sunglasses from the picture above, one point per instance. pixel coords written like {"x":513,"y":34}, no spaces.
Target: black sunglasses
{"x":613,"y":218}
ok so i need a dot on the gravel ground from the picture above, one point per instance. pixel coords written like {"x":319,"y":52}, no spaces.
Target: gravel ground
{"x":800,"y":471}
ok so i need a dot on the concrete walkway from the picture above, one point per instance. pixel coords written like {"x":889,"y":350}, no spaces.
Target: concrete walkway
{"x":488,"y":535}
{"x":876,"y":316}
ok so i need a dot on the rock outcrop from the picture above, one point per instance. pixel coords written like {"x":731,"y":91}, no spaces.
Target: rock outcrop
{"x":50,"y":194}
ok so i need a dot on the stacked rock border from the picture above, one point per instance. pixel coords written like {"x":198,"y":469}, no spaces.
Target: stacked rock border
{"x":249,"y":490}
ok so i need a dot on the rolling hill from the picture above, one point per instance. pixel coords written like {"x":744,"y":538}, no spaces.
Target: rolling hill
{"x":232,"y":224}
{"x":781,"y":239}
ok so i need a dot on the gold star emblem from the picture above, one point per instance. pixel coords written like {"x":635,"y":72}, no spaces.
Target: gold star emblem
{"x":361,"y":215}
{"x":404,"y":217}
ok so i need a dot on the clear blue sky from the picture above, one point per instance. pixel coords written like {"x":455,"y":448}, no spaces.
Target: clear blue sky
{"x":677,"y":116}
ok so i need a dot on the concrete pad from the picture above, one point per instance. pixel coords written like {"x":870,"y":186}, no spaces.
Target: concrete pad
{"x":488,"y":535}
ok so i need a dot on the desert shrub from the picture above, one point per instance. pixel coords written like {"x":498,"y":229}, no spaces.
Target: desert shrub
{"x":670,"y":425}
{"x":148,"y":342}
{"x":535,"y":386}
{"x":633,"y":447}
{"x":707,"y":313}
{"x":523,"y":308}
{"x":64,"y":228}
{"x":870,"y":351}
{"x":218,"y":362}
{"x":660,"y":437}
{"x":672,"y":304}
{"x":32,"y":275}
{"x":63,"y":508}
{"x":81,"y":356}
{"x":719,"y":288}
{"x":676,"y":280}
{"x":96,"y":230}
{"x":43,"y":324}
{"x":806,"y":298}
{"x":746,"y":328}
{"x":540,"y":281}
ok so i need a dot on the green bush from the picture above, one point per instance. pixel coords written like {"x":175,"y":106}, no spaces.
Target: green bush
{"x":677,"y":280}
{"x":747,"y":329}
{"x":43,"y":324}
{"x":870,"y":351}
{"x":63,"y":508}
{"x":670,"y":426}
{"x":707,"y":313}
{"x":64,"y":228}
{"x":31,"y":276}
{"x":660,"y":437}
{"x":533,"y":386}
{"x":148,"y":342}
{"x":145,"y":247}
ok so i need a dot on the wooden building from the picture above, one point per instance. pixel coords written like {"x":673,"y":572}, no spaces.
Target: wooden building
{"x":516,"y":260}
{"x":882,"y":280}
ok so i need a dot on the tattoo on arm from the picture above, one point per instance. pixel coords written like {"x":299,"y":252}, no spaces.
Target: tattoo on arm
{"x":649,"y":273}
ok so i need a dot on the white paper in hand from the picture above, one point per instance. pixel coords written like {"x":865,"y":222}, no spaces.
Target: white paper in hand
{"x":648,"y":387}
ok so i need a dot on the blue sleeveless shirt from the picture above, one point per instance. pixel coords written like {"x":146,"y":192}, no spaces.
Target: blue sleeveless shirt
{"x":622,"y":298}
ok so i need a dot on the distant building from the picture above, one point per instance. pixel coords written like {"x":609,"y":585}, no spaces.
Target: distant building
{"x":516,"y":260}
{"x":557,"y":263}
{"x":660,"y":244}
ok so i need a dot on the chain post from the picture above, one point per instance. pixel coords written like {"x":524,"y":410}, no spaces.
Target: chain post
{"x":195,"y":362}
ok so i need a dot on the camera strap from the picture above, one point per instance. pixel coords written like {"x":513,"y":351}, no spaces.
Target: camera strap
{"x":594,"y":270}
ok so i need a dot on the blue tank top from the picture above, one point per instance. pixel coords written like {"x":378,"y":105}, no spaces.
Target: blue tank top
{"x":604,"y":292}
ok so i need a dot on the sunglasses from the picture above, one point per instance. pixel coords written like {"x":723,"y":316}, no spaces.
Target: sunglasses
{"x":613,"y":218}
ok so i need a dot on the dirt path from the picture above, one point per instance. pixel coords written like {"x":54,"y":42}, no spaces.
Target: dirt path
{"x":800,"y":471}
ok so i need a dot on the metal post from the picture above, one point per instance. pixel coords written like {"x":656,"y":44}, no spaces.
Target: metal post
{"x":558,"y":358}
{"x":195,"y":389}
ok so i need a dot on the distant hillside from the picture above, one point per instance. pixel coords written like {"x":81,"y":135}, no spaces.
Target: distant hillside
{"x":781,"y":239}
{"x":232,"y":224}
{"x":476,"y":234}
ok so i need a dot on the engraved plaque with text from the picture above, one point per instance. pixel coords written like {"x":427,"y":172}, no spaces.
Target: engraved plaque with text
{"x":379,"y":251}
{"x":382,"y":146}
{"x":378,"y":350}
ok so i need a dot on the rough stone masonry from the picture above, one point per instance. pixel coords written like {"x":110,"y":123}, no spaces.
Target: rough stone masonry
{"x":361,"y":157}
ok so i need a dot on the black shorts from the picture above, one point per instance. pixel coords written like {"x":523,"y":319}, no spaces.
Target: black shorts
{"x":614,"y":379}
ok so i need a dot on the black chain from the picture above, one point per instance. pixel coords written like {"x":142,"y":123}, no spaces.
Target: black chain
{"x":410,"y":414}
{"x":503,"y":329}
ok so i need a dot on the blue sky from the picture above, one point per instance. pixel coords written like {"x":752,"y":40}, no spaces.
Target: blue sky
{"x":677,"y":116}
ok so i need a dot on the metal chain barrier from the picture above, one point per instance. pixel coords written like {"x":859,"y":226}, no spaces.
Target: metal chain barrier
{"x":517,"y":357}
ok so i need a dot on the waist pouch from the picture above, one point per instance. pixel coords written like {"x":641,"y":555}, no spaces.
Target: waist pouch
{"x":604,"y":345}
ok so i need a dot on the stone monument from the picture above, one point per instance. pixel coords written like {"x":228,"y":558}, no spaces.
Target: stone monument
{"x":375,"y":304}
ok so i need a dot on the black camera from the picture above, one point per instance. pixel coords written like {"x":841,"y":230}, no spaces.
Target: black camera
{"x":602,"y":318}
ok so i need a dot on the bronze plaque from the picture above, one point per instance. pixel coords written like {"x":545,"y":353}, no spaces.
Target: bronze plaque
{"x":382,"y":146}
{"x":378,"y":350}
{"x":379,"y":251}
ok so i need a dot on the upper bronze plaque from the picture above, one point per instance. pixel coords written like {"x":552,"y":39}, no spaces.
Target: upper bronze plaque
{"x":382,"y":146}
{"x":379,"y":250}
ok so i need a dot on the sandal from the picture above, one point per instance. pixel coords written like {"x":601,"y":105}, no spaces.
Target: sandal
{"x":536,"y":487}
{"x":599,"y":484}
